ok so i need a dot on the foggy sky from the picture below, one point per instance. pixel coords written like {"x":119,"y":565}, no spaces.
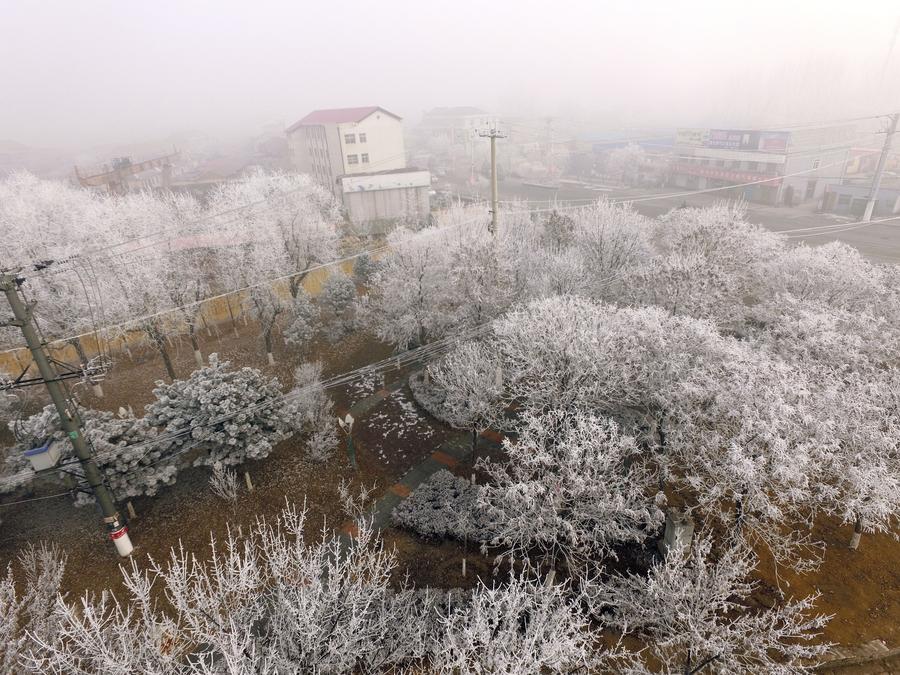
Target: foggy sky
{"x":117,"y":71}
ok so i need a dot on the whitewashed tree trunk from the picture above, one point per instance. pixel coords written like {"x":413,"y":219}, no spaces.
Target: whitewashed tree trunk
{"x":857,"y":534}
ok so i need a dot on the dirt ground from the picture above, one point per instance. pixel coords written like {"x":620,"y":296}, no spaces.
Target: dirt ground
{"x":862,"y":588}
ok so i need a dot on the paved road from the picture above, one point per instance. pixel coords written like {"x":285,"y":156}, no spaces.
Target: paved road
{"x":880,"y":242}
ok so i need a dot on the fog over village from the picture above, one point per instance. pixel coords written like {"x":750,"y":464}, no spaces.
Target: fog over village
{"x":463,"y":338}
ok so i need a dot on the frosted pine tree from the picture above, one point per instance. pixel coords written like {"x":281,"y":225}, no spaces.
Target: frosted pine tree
{"x":304,"y":321}
{"x":232,"y":414}
{"x":337,"y":304}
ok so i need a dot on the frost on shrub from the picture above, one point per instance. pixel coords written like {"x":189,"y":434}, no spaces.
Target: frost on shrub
{"x":234,"y":415}
{"x":444,"y":506}
{"x":430,"y":396}
{"x":310,"y":413}
{"x":27,"y":606}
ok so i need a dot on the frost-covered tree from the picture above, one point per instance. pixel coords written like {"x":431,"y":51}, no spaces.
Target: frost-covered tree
{"x":748,"y":456}
{"x":859,"y":451}
{"x":337,"y":306}
{"x":469,"y":375}
{"x":524,"y":626}
{"x":572,"y":487}
{"x":624,"y":163}
{"x":268,"y":601}
{"x":265,"y":306}
{"x":233,"y":415}
{"x":309,"y":412}
{"x":27,"y":606}
{"x":364,"y":268}
{"x":706,"y":263}
{"x":304,"y":317}
{"x":692,"y":612}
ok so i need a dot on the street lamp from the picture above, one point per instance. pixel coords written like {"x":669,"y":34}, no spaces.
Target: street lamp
{"x":347,"y":426}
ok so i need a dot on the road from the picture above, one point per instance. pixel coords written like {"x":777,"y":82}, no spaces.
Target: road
{"x":879,"y":242}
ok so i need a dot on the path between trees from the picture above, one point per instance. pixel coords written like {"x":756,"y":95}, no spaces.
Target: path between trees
{"x":450,"y":453}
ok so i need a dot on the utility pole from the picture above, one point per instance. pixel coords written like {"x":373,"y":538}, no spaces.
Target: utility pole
{"x":493,"y":133}
{"x":879,"y":170}
{"x":68,"y":417}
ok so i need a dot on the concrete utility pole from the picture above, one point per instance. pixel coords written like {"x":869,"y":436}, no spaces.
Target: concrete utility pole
{"x":493,"y":133}
{"x":879,"y":170}
{"x":69,"y":419}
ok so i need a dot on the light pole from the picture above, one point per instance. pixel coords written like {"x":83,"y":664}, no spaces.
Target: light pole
{"x":347,"y":427}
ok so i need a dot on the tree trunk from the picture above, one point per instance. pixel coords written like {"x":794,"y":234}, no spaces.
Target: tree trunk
{"x":662,"y":448}
{"x":857,"y":534}
{"x":83,"y":360}
{"x":231,"y":314}
{"x":474,"y":443}
{"x":160,"y":343}
{"x":195,"y":343}
{"x":268,"y":339}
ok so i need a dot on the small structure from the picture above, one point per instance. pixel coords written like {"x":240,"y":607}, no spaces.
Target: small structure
{"x":45,"y":456}
{"x":387,"y":195}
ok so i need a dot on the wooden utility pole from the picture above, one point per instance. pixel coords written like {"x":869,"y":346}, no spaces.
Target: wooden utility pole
{"x":879,"y":170}
{"x":68,"y":416}
{"x":493,"y":133}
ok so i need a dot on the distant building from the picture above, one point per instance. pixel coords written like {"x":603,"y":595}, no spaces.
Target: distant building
{"x":767,"y":166}
{"x":456,"y":124}
{"x":359,"y":155}
{"x":124,"y":175}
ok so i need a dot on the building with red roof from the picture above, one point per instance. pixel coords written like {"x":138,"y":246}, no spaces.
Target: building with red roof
{"x":360,"y":156}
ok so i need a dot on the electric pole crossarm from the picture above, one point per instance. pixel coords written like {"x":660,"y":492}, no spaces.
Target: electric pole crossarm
{"x":68,"y":418}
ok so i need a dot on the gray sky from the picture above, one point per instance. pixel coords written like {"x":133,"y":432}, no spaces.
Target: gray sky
{"x":120,"y":71}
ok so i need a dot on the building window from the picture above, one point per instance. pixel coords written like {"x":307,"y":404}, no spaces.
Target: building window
{"x":815,"y":164}
{"x":352,"y":159}
{"x":752,"y":166}
{"x":365,"y":158}
{"x":844,"y":200}
{"x":362,"y":138}
{"x":349,"y":138}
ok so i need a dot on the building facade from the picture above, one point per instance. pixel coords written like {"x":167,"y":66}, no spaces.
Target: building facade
{"x":360,"y":156}
{"x":762,"y":165}
{"x":328,"y":144}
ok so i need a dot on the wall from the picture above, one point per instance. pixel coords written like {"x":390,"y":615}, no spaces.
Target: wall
{"x":384,"y":143}
{"x":215,"y":311}
{"x":379,"y":205}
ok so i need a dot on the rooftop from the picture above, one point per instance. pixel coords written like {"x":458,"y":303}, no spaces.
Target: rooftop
{"x":339,"y":116}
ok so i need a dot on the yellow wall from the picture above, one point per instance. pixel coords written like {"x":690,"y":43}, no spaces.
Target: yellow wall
{"x":214,"y":311}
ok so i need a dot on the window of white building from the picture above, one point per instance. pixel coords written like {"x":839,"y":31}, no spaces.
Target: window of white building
{"x":352,"y":159}
{"x":349,"y":138}
{"x":365,"y":158}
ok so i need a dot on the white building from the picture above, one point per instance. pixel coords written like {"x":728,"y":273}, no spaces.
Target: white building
{"x":331,"y":143}
{"x":337,"y":145}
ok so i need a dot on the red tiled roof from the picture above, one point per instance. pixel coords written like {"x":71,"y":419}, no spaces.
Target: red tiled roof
{"x":338,"y":116}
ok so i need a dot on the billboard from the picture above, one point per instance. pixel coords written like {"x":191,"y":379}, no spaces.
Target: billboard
{"x":773,"y":141}
{"x":693,"y":137}
{"x":733,"y":139}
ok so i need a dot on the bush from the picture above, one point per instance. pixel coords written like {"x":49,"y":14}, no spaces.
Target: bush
{"x":429,"y":396}
{"x":444,"y":506}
